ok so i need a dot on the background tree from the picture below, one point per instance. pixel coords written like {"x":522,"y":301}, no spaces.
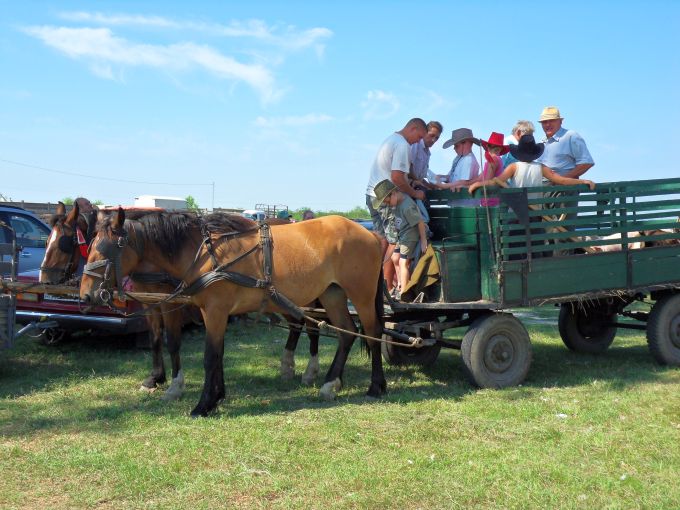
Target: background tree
{"x":192,"y":205}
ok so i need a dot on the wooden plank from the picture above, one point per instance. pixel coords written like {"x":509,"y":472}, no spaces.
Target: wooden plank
{"x":68,"y":290}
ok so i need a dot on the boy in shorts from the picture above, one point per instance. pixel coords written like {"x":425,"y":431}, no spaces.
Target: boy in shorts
{"x":411,"y":229}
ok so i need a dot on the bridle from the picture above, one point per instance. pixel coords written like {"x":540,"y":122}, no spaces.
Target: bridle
{"x":67,"y":243}
{"x":112,"y":250}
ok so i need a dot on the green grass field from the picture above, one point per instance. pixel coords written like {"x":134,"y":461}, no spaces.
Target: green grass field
{"x":582,"y":432}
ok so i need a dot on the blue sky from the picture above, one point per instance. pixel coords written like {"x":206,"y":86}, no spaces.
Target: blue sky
{"x":287,"y":102}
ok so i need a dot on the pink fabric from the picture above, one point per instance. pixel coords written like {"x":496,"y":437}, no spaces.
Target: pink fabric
{"x":486,"y":174}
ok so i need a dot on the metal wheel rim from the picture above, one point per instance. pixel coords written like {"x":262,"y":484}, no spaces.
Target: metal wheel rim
{"x":499,"y":353}
{"x":674,"y":331}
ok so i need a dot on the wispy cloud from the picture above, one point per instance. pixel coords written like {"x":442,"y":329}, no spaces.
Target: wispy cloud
{"x":118,"y":19}
{"x":101,"y":50}
{"x":379,"y":105}
{"x":292,"y":121}
{"x":285,"y":37}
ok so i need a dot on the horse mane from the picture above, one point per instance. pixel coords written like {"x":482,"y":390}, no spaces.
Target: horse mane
{"x":170,"y":231}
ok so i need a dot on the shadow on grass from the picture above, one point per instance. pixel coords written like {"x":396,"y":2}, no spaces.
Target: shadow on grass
{"x":253,"y":384}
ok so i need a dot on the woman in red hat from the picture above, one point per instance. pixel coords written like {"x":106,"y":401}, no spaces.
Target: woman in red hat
{"x":493,"y":167}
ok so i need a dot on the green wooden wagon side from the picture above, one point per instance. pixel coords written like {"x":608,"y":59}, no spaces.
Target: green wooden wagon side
{"x":594,"y":253}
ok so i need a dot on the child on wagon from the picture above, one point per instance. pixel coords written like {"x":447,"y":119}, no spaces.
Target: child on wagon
{"x":493,"y":167}
{"x":411,"y":230}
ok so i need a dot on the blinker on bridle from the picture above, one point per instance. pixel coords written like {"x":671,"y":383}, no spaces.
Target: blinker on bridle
{"x":112,"y":252}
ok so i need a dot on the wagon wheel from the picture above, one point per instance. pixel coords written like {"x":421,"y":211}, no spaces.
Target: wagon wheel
{"x":496,"y":351}
{"x":585,"y":328}
{"x":663,"y":330}
{"x":397,"y":355}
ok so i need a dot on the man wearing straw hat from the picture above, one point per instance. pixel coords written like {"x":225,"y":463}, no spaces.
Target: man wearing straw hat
{"x":565,"y":151}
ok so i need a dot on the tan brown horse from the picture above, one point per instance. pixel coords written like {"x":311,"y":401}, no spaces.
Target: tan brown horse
{"x":330,"y":258}
{"x":66,"y":247}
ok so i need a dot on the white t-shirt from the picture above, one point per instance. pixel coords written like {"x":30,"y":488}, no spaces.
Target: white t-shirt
{"x":392,"y":155}
{"x":528,"y":175}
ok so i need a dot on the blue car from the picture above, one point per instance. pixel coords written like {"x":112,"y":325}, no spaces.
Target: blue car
{"x":31,"y":235}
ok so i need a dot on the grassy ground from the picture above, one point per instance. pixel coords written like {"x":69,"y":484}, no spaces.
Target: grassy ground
{"x":582,"y":432}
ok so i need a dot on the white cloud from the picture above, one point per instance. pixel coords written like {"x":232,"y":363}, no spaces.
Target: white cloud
{"x":379,"y":105}
{"x":285,"y":37}
{"x":118,"y":19}
{"x":101,"y":49}
{"x":292,"y":121}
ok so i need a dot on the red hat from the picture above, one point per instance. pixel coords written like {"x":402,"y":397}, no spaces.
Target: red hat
{"x":496,"y":139}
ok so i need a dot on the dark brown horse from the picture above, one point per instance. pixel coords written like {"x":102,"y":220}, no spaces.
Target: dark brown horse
{"x":227,"y":265}
{"x":66,"y":247}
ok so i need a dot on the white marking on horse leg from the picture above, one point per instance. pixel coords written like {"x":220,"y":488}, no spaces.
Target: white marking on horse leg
{"x":287,"y":364}
{"x":311,"y":372}
{"x":176,"y":388}
{"x":330,"y":390}
{"x":147,"y":390}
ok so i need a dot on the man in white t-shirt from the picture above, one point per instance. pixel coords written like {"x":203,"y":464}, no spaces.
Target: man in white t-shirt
{"x":392,"y":162}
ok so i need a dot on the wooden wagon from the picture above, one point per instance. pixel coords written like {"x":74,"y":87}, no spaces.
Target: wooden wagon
{"x":546,"y":246}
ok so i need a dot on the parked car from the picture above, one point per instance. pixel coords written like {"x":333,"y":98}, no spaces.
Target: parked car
{"x":254,"y":214}
{"x":31,"y":235}
{"x":368,"y":224}
{"x":64,"y":315}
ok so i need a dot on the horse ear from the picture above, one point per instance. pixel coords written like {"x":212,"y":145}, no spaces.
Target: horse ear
{"x":119,"y":220}
{"x":61,"y":208}
{"x":73,"y":215}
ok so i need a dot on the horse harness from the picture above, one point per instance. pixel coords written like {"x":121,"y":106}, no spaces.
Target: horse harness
{"x":67,"y":243}
{"x":113,"y":251}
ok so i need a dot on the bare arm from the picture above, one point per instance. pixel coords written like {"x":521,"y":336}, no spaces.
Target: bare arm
{"x":564,"y":180}
{"x":400,"y":180}
{"x":501,"y":180}
{"x":579,"y":170}
{"x":423,"y":236}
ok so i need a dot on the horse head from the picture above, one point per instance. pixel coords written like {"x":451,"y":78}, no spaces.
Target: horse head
{"x":114,"y":252}
{"x":61,"y":256}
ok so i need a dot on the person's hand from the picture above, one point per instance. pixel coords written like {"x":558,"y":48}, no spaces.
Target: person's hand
{"x":590,"y":184}
{"x":423,"y":246}
{"x":474,"y":186}
{"x":419,"y":195}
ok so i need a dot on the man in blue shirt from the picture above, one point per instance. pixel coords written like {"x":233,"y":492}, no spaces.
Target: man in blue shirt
{"x":565,"y":151}
{"x":566,"y":154}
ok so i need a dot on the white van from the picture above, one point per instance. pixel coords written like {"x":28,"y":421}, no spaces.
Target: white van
{"x":254,"y":214}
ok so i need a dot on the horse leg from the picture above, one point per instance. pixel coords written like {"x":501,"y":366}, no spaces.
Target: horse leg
{"x":156,"y":336}
{"x":334,"y":300}
{"x":172,"y":319}
{"x":288,"y":355}
{"x":369,"y":307}
{"x":312,"y":370}
{"x":213,"y":361}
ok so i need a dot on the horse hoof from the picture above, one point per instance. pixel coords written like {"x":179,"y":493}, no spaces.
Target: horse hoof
{"x":198,"y":413}
{"x":176,"y":388}
{"x":330,"y":390}
{"x":376,"y":391}
{"x":311,"y":372}
{"x":287,"y":364}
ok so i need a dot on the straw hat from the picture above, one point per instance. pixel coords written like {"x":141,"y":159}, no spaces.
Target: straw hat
{"x":550,"y":113}
{"x":381,"y":190}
